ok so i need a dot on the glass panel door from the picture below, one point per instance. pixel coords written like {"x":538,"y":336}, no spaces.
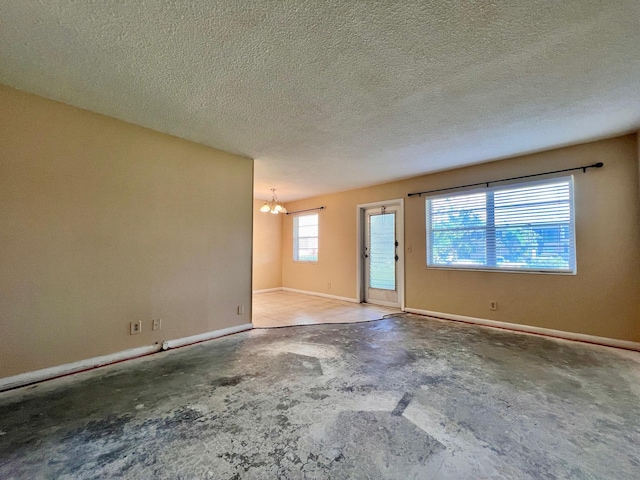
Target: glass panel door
{"x":380,"y":252}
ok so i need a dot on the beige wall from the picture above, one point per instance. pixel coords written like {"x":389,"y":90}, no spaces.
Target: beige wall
{"x":103,"y":223}
{"x":267,"y":248}
{"x":603,"y":299}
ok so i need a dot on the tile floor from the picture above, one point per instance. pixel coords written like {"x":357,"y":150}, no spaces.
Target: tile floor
{"x":282,"y":309}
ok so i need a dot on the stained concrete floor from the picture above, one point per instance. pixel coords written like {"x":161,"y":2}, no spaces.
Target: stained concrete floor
{"x":396,"y":398}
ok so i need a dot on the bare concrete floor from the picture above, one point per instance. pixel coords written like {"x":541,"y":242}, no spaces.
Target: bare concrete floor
{"x":405,"y":397}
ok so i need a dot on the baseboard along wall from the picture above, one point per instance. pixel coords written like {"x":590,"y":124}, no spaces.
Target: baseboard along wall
{"x":516,"y":327}
{"x":50,"y":373}
{"x":318,"y":294}
{"x":267,"y":290}
{"x":548,"y":332}
{"x":307,"y":292}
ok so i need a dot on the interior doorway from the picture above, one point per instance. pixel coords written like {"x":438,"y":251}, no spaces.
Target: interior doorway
{"x":380,"y":253}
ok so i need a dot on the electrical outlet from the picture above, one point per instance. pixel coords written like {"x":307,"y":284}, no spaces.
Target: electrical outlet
{"x":493,"y":305}
{"x":157,"y":324}
{"x":240,"y":309}
{"x":135,"y":327}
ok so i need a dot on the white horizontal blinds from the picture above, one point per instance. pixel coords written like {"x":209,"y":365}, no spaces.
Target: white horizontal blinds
{"x":523,"y":227}
{"x":305,"y":238}
{"x":534,"y":228}
{"x":458,"y":230}
{"x":382,"y":251}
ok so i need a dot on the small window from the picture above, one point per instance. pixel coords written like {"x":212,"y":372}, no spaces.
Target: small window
{"x":305,"y":238}
{"x":523,"y":227}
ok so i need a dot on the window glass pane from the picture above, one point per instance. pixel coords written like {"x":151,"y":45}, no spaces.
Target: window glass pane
{"x":459,"y":247}
{"x":522,"y":227}
{"x":308,"y":243}
{"x":453,"y":212}
{"x":305,"y":238}
{"x":382,"y":244}
{"x":306,"y":220}
{"x":310,"y":231}
{"x":308,"y":255}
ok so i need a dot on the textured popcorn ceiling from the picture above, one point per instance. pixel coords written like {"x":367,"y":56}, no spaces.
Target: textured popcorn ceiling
{"x":331,"y":95}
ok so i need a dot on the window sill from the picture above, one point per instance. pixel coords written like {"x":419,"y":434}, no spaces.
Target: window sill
{"x":495,"y":270}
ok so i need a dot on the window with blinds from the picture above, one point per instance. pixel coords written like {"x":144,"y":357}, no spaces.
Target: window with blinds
{"x":305,"y":238}
{"x":523,"y":227}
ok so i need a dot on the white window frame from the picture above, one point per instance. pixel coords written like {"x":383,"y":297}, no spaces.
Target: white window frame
{"x":296,"y":237}
{"x":571,"y":270}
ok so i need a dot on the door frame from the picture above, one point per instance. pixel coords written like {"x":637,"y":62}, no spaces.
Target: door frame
{"x":360,"y":216}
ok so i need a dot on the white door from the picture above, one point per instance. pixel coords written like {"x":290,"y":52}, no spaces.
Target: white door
{"x":380,"y":255}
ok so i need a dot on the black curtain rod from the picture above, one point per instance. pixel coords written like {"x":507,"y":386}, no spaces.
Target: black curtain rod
{"x":307,"y":210}
{"x":584,"y":169}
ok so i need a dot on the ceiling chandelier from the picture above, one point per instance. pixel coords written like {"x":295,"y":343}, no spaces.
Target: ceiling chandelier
{"x":274,"y":205}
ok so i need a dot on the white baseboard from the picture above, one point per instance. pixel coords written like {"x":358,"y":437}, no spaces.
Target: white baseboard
{"x":267,"y":290}
{"x":318,"y":294}
{"x":75,"y":367}
{"x":579,"y":337}
{"x":181,"y":342}
{"x":28,"y":378}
